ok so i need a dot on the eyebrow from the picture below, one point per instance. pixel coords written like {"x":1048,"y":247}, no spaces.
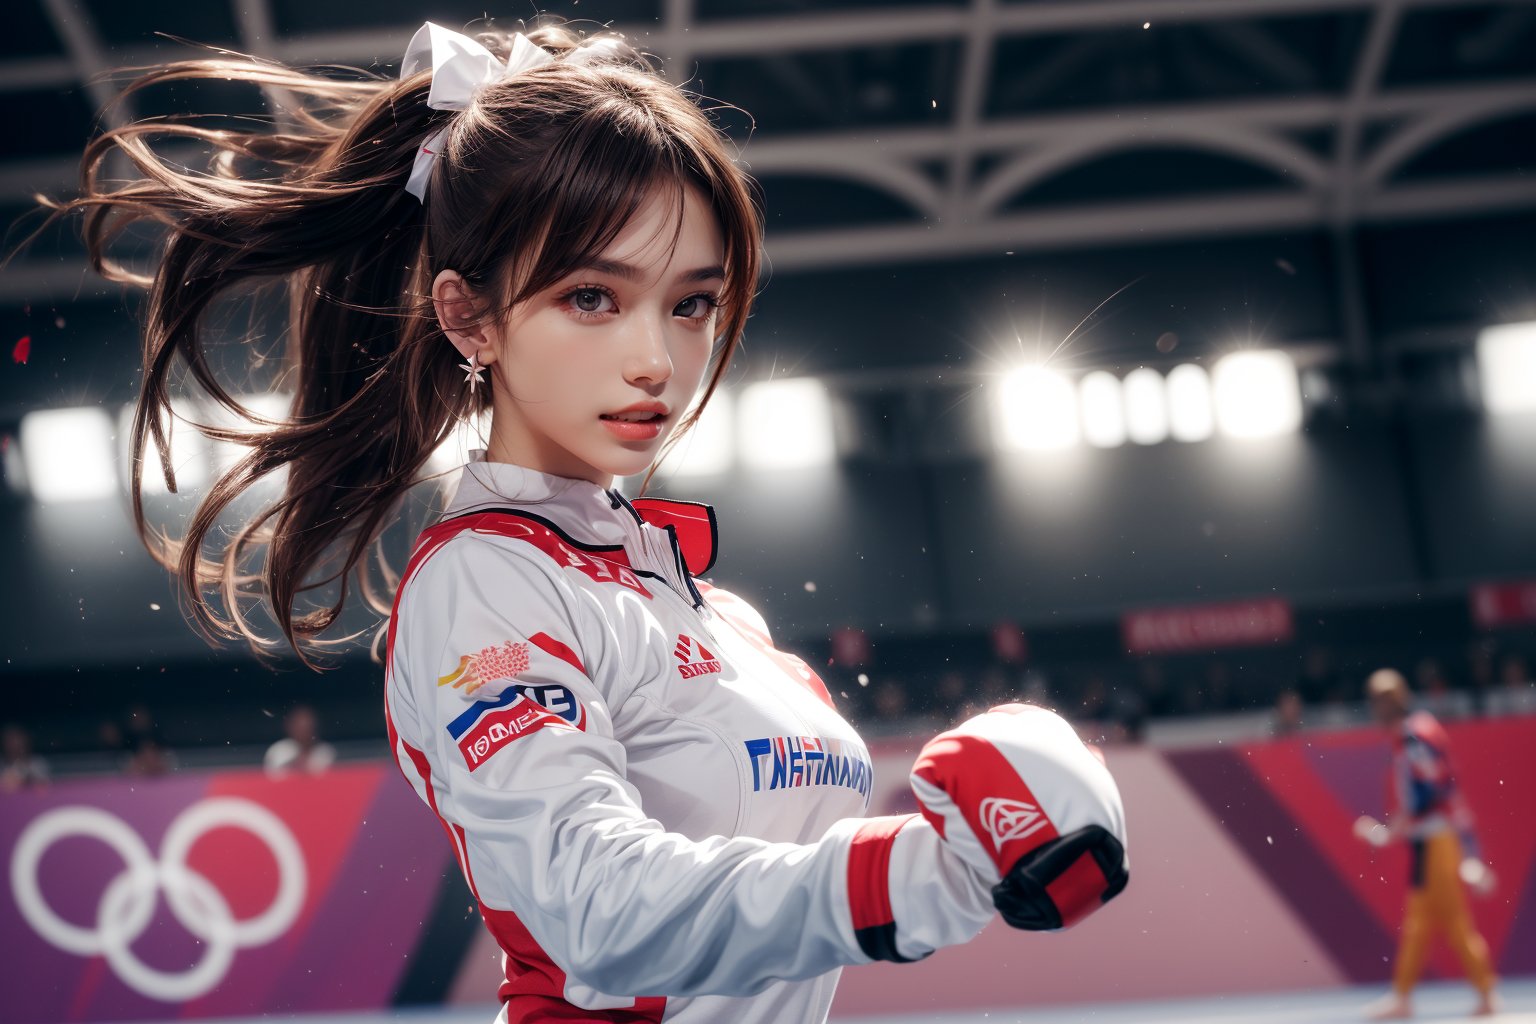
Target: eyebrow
{"x":630,"y":272}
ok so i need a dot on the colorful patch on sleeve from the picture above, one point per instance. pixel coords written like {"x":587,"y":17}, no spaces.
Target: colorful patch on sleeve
{"x":557,"y":699}
{"x":488,"y":725}
{"x":505,"y":660}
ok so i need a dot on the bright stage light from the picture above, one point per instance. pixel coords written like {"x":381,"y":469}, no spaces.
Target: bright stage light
{"x":1036,"y":410}
{"x":272,"y":405}
{"x":1506,"y":362}
{"x":1190,"y":416}
{"x":68,"y":454}
{"x":1098,"y":395}
{"x":1146,"y":406}
{"x":1257,"y":394}
{"x":189,"y":449}
{"x":786,"y":424}
{"x":709,"y":447}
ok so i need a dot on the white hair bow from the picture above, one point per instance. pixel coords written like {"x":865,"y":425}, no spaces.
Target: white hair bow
{"x":460,"y":68}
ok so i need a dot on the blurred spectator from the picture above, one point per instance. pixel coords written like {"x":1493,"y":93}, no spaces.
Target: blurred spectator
{"x":1130,"y":713}
{"x":1156,"y":694}
{"x":147,"y":752}
{"x":1191,"y":699}
{"x":1218,"y":686}
{"x":112,"y":744}
{"x":1288,"y":709}
{"x":1430,"y":679}
{"x":1009,"y":644}
{"x":1037,"y":689}
{"x":891,"y":701}
{"x":1319,"y":681}
{"x":1437,"y":691}
{"x":1252,"y":688}
{"x":996,"y":687}
{"x":20,"y":768}
{"x":1480,"y":672}
{"x":150,"y":757}
{"x":950,"y":695}
{"x":301,"y":750}
{"x":1094,"y":704}
{"x":109,"y":735}
{"x":141,"y":726}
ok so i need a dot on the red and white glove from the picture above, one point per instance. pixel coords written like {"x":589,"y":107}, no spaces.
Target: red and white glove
{"x":1019,"y":797}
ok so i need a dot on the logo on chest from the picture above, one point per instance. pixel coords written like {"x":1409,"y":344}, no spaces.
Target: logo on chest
{"x":788,"y":762}
{"x":694,"y":658}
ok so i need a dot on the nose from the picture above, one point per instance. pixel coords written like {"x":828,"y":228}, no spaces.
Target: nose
{"x":648,"y":361}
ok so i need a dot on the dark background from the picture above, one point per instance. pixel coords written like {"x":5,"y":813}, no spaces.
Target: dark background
{"x":951,"y":188}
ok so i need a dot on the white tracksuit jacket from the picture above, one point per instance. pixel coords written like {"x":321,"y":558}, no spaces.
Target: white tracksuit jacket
{"x":658,"y":812}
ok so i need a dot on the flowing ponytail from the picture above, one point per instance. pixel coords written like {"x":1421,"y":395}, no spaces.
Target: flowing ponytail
{"x":539,"y":174}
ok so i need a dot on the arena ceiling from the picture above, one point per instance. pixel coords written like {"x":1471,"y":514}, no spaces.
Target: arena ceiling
{"x":905,"y":131}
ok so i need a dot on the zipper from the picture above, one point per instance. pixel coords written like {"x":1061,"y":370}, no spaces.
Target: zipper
{"x":701,"y":610}
{"x":642,"y":533}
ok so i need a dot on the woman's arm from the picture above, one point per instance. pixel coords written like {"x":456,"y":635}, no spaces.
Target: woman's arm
{"x":530,"y":783}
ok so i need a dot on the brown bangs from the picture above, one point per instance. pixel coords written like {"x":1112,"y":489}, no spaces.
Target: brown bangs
{"x":603,"y":166}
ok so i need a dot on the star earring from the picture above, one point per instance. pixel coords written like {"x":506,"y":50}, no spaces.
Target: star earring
{"x":473,"y":370}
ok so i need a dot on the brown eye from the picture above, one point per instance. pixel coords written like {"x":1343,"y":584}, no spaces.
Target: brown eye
{"x":696,"y":307}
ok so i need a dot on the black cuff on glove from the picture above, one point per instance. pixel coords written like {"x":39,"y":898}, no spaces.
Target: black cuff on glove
{"x":1062,"y":880}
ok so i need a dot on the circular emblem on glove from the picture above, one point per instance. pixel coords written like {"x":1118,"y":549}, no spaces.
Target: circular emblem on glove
{"x":1006,"y":820}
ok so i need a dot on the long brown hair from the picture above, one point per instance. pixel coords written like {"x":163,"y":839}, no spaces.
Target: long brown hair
{"x":538,"y":176}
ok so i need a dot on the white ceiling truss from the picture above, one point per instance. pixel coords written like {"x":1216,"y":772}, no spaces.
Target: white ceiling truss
{"x":959,"y":179}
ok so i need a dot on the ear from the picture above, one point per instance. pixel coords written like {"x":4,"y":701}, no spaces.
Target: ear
{"x":457,"y":307}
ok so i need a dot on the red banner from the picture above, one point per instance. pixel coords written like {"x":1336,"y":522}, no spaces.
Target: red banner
{"x":1201,"y":627}
{"x":1504,"y":604}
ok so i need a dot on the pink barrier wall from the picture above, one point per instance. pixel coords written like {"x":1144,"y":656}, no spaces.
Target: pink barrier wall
{"x":1244,"y":878}
{"x":1196,"y":919}
{"x":219,"y":894}
{"x":210,"y":894}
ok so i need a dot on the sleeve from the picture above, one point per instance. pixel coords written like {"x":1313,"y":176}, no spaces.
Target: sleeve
{"x":1426,"y":777}
{"x":530,"y":784}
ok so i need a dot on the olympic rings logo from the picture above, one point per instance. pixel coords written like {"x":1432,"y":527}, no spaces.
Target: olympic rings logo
{"x":128,"y":903}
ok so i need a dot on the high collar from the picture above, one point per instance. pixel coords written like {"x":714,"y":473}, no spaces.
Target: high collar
{"x":590,"y":513}
{"x":485,"y":483}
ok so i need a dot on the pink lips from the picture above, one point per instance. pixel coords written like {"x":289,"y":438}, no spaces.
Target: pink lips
{"x":637,"y":430}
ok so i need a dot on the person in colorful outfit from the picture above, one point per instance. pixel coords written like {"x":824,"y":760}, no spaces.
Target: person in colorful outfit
{"x":1430,"y":814}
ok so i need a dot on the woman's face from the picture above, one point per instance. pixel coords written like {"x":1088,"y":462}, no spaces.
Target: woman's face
{"x":634,"y":329}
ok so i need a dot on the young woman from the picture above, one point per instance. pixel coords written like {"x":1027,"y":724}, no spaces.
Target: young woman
{"x":658,"y":812}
